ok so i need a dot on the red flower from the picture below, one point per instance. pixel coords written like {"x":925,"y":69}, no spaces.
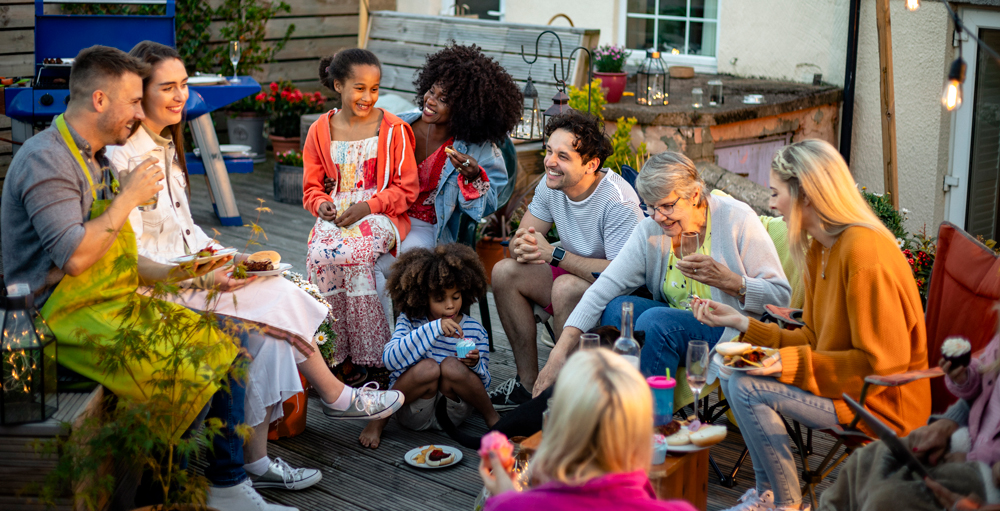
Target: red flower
{"x":318,"y":96}
{"x":284,"y":94}
{"x":261,"y":97}
{"x":910,"y":261}
{"x":297,"y":95}
{"x":271,"y":99}
{"x":274,"y":87}
{"x":907,"y":253}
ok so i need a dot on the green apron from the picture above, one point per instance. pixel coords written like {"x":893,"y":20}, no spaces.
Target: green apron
{"x":90,"y":304}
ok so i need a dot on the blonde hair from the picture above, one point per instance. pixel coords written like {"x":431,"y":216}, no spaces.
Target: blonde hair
{"x":669,"y":172}
{"x":814,"y":169}
{"x":601,"y":420}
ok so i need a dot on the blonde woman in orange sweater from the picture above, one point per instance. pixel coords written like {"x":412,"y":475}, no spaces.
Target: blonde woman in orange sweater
{"x":862,"y":313}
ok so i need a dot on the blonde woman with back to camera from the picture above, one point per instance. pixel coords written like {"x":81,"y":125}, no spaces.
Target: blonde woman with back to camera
{"x":596,"y":447}
{"x":862,"y":316}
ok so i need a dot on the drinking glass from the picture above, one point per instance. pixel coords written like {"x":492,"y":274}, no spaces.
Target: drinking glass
{"x":135,"y":161}
{"x":690,"y":242}
{"x":234,"y":56}
{"x":590,"y":341}
{"x":697,"y":370}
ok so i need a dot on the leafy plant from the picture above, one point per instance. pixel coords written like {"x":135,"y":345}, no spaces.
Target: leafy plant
{"x":920,"y":250}
{"x":291,"y":158}
{"x":246,"y":20}
{"x":578,"y":98}
{"x":882,"y":206}
{"x":325,"y":335}
{"x":621,"y":142}
{"x":610,"y":58}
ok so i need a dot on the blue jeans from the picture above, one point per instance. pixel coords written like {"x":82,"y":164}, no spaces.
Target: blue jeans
{"x":668,"y":332}
{"x":757,"y":401}
{"x":225,"y":458}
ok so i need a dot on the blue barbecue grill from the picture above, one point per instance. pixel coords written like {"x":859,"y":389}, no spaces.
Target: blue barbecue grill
{"x":59,"y":37}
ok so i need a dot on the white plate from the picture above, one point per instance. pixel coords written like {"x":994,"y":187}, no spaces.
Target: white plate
{"x":268,"y":273}
{"x":204,"y":79}
{"x":685,"y":447}
{"x":199,"y":260}
{"x":411,"y":455}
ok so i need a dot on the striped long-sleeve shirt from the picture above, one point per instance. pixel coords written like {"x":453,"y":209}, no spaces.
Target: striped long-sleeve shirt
{"x":417,"y":339}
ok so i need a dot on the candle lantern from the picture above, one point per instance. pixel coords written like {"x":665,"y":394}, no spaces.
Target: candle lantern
{"x":28,"y":365}
{"x":560,"y":105}
{"x":652,"y":83}
{"x":530,"y":127}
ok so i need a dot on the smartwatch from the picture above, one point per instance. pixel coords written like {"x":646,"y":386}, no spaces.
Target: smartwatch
{"x":558,"y":254}
{"x":743,"y":289}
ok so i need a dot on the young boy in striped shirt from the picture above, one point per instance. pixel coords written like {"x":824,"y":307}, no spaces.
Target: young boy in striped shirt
{"x":434,"y":289}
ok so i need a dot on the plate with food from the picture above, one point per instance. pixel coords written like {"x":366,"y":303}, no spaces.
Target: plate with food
{"x":433,"y":456}
{"x":266,"y":263}
{"x":741,"y":356}
{"x":204,"y":255}
{"x":691,"y":437}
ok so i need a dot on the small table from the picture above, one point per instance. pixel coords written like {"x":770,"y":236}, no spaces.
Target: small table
{"x":682,"y":477}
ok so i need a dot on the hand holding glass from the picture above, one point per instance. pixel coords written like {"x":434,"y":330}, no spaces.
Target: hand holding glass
{"x":697,"y":370}
{"x":690,"y":242}
{"x":135,"y":161}
{"x":234,"y":56}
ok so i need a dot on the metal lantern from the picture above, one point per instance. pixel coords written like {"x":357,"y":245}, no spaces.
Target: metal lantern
{"x":652,"y":83}
{"x":530,"y":127}
{"x":560,"y":105}
{"x":28,"y":365}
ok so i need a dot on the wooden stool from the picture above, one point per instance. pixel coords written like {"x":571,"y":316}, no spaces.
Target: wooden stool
{"x":682,"y":477}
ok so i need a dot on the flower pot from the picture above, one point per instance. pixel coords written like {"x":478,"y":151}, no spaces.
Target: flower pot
{"x":281,"y":144}
{"x":248,"y":129}
{"x":490,"y":252}
{"x":615,"y":83}
{"x":288,"y":183}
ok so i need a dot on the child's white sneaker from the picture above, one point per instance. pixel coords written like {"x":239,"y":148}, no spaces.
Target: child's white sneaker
{"x":752,"y":501}
{"x":241,"y":497}
{"x":367,"y":403}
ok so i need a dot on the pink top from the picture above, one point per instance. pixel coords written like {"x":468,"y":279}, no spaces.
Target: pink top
{"x":983,"y":393}
{"x":621,"y":492}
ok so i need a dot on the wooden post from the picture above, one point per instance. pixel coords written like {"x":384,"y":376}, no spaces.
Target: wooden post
{"x":888,"y":102}
{"x":362,"y":23}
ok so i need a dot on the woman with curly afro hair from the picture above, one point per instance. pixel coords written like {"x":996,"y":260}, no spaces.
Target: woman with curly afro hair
{"x":437,"y":351}
{"x":468,"y":103}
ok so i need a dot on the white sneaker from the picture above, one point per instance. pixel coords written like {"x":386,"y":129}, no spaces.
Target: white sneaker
{"x":281,"y":475}
{"x":368,"y":403}
{"x":752,"y":501}
{"x":241,"y":497}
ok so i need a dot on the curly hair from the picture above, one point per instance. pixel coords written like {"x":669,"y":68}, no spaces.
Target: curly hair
{"x":485,"y":102}
{"x":591,"y":142}
{"x":420,"y":274}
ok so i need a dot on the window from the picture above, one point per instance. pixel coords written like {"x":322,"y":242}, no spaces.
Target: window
{"x":674,"y":27}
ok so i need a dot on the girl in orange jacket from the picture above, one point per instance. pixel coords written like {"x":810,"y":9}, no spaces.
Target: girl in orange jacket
{"x":368,"y":155}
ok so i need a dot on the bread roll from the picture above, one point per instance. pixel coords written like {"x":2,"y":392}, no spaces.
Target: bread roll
{"x":708,"y":435}
{"x":732,"y":349}
{"x":266,"y":255}
{"x":681,"y":437}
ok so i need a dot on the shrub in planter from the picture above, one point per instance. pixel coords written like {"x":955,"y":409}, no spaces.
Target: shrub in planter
{"x":609,"y":60}
{"x":287,"y":105}
{"x":578,"y":98}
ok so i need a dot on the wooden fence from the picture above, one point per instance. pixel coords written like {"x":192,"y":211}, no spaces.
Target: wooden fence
{"x":322,"y":27}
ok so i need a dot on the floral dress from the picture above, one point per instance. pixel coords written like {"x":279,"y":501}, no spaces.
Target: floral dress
{"x":341,"y":260}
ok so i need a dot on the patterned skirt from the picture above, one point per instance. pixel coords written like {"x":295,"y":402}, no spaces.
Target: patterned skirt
{"x":341,"y":262}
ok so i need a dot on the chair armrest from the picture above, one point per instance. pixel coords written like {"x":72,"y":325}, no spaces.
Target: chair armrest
{"x":895,"y":380}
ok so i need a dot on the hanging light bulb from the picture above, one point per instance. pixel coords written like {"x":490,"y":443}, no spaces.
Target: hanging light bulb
{"x":912,"y":5}
{"x":951,"y":98}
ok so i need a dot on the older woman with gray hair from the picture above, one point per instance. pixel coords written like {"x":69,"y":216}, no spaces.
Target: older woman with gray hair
{"x":732,"y":259}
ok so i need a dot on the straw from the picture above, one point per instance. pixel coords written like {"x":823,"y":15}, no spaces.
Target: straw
{"x":668,"y":373}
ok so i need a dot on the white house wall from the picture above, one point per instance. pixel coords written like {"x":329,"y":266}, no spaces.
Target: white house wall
{"x":600,"y":14}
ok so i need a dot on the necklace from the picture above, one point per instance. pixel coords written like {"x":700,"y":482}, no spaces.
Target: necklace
{"x":826,"y":256}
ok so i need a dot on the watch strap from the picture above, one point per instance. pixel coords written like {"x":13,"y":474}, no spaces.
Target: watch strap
{"x":743,"y":289}
{"x":558,"y":254}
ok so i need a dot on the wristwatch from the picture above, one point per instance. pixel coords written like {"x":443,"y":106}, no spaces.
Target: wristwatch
{"x":558,"y":254}
{"x":743,"y":288}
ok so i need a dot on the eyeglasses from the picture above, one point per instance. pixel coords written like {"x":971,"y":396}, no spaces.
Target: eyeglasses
{"x":663,"y":210}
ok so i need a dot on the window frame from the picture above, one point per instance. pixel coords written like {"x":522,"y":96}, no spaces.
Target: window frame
{"x":700,"y":63}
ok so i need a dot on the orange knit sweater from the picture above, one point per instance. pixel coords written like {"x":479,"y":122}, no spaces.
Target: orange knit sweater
{"x":863,"y":318}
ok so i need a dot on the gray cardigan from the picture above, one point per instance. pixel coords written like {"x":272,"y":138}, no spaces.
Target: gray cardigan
{"x":739,"y":241}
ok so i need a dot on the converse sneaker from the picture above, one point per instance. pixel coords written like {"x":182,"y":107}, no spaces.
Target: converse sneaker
{"x":509,"y":395}
{"x":241,"y":497}
{"x":368,"y":403}
{"x":281,"y":475}
{"x":752,"y":501}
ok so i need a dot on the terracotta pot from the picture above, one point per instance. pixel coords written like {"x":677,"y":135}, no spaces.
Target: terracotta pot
{"x":615,"y":83}
{"x":282,"y":144}
{"x":490,"y":252}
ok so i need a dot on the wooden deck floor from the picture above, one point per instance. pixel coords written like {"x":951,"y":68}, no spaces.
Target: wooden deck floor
{"x":357,"y":478}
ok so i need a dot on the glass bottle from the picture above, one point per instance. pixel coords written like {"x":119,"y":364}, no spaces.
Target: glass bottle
{"x":626,"y":345}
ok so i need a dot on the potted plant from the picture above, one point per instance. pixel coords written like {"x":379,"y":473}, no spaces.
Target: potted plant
{"x":287,"y":105}
{"x":610,"y":63}
{"x":245,"y":124}
{"x":288,"y":177}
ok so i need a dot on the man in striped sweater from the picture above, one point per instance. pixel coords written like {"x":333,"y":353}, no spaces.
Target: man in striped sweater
{"x":594,"y":211}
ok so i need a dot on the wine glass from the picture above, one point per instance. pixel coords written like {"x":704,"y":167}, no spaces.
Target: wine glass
{"x":234,"y":56}
{"x":690,"y":242}
{"x":590,"y":342}
{"x":697,"y":370}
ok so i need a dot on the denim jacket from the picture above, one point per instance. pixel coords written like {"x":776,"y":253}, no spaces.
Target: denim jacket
{"x":449,"y":197}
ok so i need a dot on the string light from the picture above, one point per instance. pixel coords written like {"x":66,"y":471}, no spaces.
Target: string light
{"x":951,"y":98}
{"x":912,"y":5}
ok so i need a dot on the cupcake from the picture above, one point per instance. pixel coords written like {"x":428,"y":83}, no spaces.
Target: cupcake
{"x":497,"y":442}
{"x":463,"y":347}
{"x":957,"y":350}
